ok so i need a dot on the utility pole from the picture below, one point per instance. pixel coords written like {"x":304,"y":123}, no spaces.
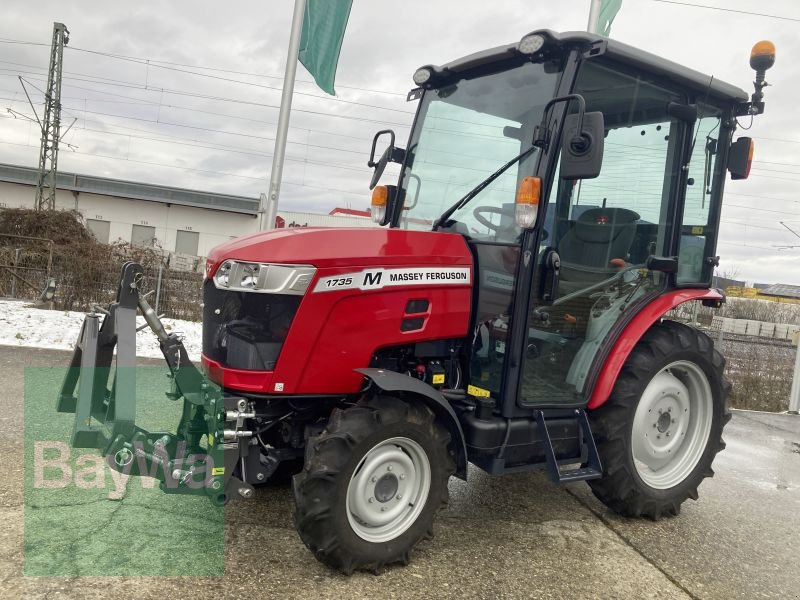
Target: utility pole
{"x":269,"y":204}
{"x":594,"y":14}
{"x":51,"y":122}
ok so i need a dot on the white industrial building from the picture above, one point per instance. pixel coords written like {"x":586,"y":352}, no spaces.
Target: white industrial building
{"x":178,"y":220}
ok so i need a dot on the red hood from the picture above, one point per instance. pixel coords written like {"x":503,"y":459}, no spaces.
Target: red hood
{"x":337,"y":247}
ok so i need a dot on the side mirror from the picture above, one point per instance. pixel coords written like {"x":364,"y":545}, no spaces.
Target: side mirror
{"x":390,"y":154}
{"x":582,"y":149}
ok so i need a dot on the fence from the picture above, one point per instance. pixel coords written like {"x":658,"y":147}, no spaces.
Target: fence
{"x":86,"y":275}
{"x":176,"y":292}
{"x":25,"y":265}
{"x":760,"y":357}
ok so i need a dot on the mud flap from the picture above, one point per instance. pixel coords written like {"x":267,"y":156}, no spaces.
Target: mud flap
{"x":191,"y":461}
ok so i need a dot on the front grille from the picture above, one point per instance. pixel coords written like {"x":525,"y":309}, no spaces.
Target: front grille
{"x":245,"y":330}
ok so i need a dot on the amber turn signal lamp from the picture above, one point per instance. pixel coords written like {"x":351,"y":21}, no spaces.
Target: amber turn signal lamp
{"x":527,"y":205}
{"x":380,"y":197}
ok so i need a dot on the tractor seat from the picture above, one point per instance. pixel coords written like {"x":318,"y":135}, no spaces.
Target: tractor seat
{"x":599,"y":236}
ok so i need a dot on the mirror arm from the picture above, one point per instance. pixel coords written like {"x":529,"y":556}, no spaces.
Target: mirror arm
{"x":398,"y":155}
{"x":542,"y":135}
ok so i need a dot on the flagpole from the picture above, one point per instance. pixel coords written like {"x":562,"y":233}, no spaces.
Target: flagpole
{"x":594,"y":13}
{"x":269,"y":203}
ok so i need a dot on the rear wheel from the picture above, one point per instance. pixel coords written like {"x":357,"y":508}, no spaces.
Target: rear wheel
{"x":661,"y":428}
{"x":372,"y":484}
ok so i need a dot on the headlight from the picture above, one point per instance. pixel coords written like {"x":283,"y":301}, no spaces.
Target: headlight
{"x":422,"y":75}
{"x":221,"y":276}
{"x":250,"y":274}
{"x":531,"y":44}
{"x":263,"y":278}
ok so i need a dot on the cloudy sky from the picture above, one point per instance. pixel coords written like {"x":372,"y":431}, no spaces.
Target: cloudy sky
{"x":190,"y":97}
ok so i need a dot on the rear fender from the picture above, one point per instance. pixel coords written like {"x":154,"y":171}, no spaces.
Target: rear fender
{"x":634,"y":331}
{"x":390,"y":381}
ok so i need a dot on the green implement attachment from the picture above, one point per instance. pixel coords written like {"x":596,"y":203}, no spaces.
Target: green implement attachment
{"x":191,"y":461}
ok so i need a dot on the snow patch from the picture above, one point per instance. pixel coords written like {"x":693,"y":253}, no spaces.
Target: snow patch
{"x":23,"y":325}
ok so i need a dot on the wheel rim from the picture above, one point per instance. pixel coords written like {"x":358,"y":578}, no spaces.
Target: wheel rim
{"x":672,"y":425}
{"x":388,"y":489}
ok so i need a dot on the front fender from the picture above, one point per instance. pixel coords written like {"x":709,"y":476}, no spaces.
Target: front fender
{"x":634,"y":331}
{"x":390,"y":381}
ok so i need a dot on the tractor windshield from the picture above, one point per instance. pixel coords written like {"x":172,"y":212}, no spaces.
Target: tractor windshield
{"x":464,"y":133}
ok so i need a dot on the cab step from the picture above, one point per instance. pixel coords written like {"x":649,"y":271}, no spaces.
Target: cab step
{"x":592,"y":469}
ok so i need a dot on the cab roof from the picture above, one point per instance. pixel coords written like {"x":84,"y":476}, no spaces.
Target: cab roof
{"x":598,"y":45}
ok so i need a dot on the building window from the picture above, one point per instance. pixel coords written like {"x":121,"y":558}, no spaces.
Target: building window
{"x":99,"y":228}
{"x":186,"y":242}
{"x":143,"y":235}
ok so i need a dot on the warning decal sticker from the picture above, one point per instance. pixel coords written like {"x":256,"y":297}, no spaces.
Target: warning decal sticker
{"x":373,"y":279}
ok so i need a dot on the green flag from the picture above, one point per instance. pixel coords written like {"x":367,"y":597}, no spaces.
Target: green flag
{"x":324,"y":23}
{"x":608,"y":10}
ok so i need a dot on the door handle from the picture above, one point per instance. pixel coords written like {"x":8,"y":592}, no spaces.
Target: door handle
{"x":551,"y":271}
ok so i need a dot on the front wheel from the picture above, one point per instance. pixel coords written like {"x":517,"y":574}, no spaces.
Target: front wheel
{"x":372,"y":484}
{"x":661,"y":428}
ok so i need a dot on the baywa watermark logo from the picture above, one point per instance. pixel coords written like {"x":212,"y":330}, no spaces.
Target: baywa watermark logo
{"x":84,"y":511}
{"x":57,"y":466}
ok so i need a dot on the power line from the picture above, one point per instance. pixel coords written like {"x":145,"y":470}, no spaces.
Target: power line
{"x":266,"y":87}
{"x":760,"y":197}
{"x":196,"y":127}
{"x":160,"y":121}
{"x":234,"y":100}
{"x":157,"y":63}
{"x":207,"y":171}
{"x":200,"y":144}
{"x":156,"y":164}
{"x":731,"y":10}
{"x":745,"y":245}
{"x":751,"y":225}
{"x":225,"y":99}
{"x":724,"y":222}
{"x":759,"y":209}
{"x":782,"y":140}
{"x":21,"y":42}
{"x":210,"y":147}
{"x":185,"y":108}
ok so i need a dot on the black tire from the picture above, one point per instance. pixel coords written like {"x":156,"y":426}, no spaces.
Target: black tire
{"x":320,"y":489}
{"x":621,"y":488}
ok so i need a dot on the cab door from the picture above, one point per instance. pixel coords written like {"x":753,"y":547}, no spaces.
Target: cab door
{"x":597,"y":235}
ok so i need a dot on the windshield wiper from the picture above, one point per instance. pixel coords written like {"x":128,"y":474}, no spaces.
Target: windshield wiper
{"x":480,"y":187}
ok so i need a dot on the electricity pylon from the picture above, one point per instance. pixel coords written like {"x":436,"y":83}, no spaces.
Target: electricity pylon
{"x":51,"y":122}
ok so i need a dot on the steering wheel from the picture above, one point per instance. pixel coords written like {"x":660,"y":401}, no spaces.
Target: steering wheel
{"x":486,"y":222}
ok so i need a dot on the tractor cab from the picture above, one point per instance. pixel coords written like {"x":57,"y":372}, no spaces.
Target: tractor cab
{"x":586,"y":177}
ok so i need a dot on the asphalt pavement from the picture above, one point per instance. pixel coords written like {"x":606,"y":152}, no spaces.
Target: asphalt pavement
{"x":501,"y":537}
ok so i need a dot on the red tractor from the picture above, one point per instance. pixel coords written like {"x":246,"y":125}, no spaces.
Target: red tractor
{"x":557,"y":197}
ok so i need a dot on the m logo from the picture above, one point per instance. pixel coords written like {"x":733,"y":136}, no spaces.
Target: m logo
{"x":372,"y":279}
